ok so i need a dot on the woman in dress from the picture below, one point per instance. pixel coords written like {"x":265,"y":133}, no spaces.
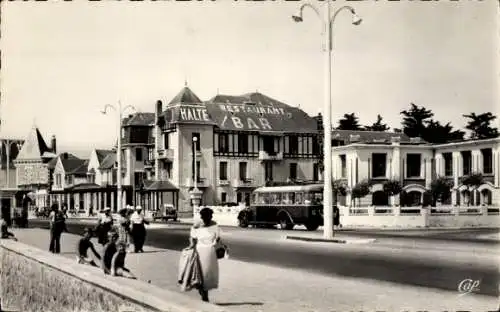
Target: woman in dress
{"x":204,"y":237}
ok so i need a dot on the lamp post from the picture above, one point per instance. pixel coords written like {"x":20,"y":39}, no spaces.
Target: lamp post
{"x":195,"y":193}
{"x":119,"y":112}
{"x":328,"y":22}
{"x":8,"y":146}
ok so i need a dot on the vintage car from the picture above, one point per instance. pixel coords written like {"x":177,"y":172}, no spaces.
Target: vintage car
{"x":165,"y":213}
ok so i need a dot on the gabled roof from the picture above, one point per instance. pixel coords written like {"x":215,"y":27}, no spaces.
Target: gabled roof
{"x":185,"y":96}
{"x":70,"y":162}
{"x":139,"y":119}
{"x":110,"y":160}
{"x":34,"y":146}
{"x":82,"y":169}
{"x":101,"y":154}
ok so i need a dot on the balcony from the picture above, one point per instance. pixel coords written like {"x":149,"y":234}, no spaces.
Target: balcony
{"x":263,"y":155}
{"x":224,"y":183}
{"x":241,"y":183}
{"x":148,"y":163}
{"x":166,"y":154}
{"x":202,"y":182}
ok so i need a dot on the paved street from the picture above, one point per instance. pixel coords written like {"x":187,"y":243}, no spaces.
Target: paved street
{"x":403,"y":260}
{"x":247,"y":286}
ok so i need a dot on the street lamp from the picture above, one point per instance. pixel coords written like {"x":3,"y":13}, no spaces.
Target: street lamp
{"x":8,"y":146}
{"x":119,"y":112}
{"x":195,"y":193}
{"x":328,"y":22}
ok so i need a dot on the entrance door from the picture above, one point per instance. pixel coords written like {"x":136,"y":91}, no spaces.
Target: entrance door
{"x":6,"y":210}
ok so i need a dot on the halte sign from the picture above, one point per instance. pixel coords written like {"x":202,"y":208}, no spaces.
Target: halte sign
{"x":194,"y":114}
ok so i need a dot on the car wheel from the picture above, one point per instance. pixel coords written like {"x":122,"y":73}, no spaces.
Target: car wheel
{"x":312,"y":226}
{"x":243,"y":222}
{"x":285,"y":223}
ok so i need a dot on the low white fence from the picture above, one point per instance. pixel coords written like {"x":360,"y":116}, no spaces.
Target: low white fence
{"x":387,"y":216}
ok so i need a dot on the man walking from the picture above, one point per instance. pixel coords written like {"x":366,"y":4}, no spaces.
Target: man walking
{"x":138,"y":229}
{"x":57,"y":226}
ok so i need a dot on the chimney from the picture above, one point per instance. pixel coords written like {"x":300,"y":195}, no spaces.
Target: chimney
{"x":65,"y":155}
{"x":395,"y":140}
{"x":159,"y":107}
{"x":53,"y":144}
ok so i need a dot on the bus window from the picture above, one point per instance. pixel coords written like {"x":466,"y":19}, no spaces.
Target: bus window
{"x":276,"y":198}
{"x":298,"y":199}
{"x":307,"y":198}
{"x":255,"y":198}
{"x":291,"y":198}
{"x":284,"y":199}
{"x":317,"y":198}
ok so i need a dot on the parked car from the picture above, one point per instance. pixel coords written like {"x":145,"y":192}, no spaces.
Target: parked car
{"x":21,"y":217}
{"x":165,"y":213}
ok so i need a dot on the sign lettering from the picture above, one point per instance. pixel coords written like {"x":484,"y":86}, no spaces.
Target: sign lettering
{"x":244,"y":108}
{"x":197,"y":114}
{"x":250,"y":123}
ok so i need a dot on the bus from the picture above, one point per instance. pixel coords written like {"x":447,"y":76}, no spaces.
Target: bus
{"x":285,"y":206}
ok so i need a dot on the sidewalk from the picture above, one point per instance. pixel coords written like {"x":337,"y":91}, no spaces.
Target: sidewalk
{"x":255,"y":287}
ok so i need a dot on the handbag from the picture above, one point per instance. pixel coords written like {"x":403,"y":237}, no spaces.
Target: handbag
{"x":220,"y":250}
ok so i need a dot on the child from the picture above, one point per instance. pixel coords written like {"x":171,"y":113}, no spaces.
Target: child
{"x":108,"y":252}
{"x":118,"y":261}
{"x":84,"y":244}
{"x":5,"y":230}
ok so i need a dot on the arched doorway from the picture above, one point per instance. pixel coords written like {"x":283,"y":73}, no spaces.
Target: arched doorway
{"x":413,"y":199}
{"x":486,"y":197}
{"x":380,"y":198}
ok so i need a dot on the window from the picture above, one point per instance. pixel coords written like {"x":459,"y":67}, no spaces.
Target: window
{"x":166,"y":141}
{"x":413,"y":165}
{"x":268,"y":142}
{"x":268,"y":171}
{"x":91,"y":178}
{"x":343,"y":166}
{"x":467,"y":162}
{"x":138,"y":154}
{"x":487,"y":161}
{"x":293,"y":145}
{"x":138,"y":179}
{"x":151,"y":155}
{"x":239,"y":197}
{"x":168,"y":169}
{"x":379,"y":165}
{"x":69,"y":179}
{"x":315,"y":172}
{"x":196,"y":145}
{"x":448,"y":164}
{"x":243,"y":171}
{"x":243,"y":143}
{"x":198,"y":167}
{"x":293,"y":171}
{"x":223,"y":143}
{"x":223,"y":197}
{"x":58,"y":180}
{"x":316,"y":147}
{"x":223,"y":171}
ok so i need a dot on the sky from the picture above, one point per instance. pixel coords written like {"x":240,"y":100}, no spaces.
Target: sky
{"x":63,"y":61}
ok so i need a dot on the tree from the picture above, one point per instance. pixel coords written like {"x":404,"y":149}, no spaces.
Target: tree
{"x":440,"y":189}
{"x":418,"y":122}
{"x":472,"y":182}
{"x":435,"y":132}
{"x":339,"y":187}
{"x":378,"y":125}
{"x":414,"y":120}
{"x":349,"y":122}
{"x":480,"y":126}
{"x":360,"y":190}
{"x":392,"y":187}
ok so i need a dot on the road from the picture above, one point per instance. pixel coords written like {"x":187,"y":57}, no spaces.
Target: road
{"x":439,"y":259}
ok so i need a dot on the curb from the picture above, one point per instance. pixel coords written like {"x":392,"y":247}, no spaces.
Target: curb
{"x":335,"y":241}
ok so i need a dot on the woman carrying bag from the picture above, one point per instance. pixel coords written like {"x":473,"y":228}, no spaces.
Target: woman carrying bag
{"x":205,"y":239}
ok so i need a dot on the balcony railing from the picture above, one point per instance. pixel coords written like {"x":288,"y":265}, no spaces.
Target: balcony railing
{"x":243,"y":183}
{"x":166,"y":154}
{"x":263,"y":155}
{"x":224,"y":182}
{"x":202,"y":182}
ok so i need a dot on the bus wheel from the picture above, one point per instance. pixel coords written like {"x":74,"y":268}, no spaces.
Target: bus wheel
{"x":285,"y":223}
{"x":243,"y":222}
{"x":312,"y":226}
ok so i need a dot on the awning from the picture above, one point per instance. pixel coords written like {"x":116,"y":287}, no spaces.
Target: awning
{"x":162,"y":185}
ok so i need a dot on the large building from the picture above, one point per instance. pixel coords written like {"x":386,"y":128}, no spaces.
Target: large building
{"x":415,"y":164}
{"x":9,"y":149}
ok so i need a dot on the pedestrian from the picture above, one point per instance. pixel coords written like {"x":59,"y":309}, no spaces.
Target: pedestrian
{"x":205,"y":237}
{"x":113,"y":257}
{"x":57,"y":227}
{"x":5,"y":230}
{"x":336,"y":216}
{"x":138,"y":229}
{"x":123,"y":226}
{"x":104,"y":225}
{"x":84,"y":244}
